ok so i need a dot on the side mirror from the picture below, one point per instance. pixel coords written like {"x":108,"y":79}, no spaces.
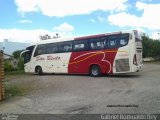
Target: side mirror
{"x":23,"y":53}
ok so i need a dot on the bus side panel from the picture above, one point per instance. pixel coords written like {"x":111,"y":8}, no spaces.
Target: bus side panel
{"x":80,"y":62}
{"x":52,"y":63}
{"x":110,"y":58}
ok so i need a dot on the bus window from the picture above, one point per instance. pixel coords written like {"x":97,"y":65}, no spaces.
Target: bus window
{"x":80,"y":45}
{"x":41,"y":49}
{"x":65,"y":47}
{"x":28,"y":54}
{"x":137,"y":36}
{"x":123,"y":40}
{"x":116,"y":41}
{"x":51,"y":48}
{"x":97,"y":44}
{"x":112,"y":41}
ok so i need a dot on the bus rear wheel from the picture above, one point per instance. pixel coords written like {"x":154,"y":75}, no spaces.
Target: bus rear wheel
{"x":95,"y":71}
{"x":39,"y":70}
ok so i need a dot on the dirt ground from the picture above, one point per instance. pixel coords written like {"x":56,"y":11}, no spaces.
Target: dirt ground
{"x":136,"y":93}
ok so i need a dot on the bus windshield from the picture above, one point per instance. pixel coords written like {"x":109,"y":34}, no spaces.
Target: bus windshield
{"x":28,"y":54}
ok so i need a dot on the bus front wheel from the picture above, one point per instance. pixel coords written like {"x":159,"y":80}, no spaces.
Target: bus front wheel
{"x":95,"y":71}
{"x":39,"y":70}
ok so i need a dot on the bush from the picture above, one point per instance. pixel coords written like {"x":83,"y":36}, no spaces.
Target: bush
{"x":20,"y":64}
{"x":8,"y":66}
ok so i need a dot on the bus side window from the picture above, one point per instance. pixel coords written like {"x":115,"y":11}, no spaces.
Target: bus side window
{"x":97,"y":44}
{"x":80,"y":45}
{"x":106,"y":43}
{"x":41,"y":49}
{"x":113,"y":41}
{"x":123,"y":40}
{"x":51,"y":48}
{"x":116,"y":41}
{"x":65,"y":47}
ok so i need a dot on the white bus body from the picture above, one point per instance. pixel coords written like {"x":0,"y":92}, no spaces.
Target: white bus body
{"x":110,"y":53}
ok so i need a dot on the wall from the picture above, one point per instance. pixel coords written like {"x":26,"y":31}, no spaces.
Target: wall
{"x":1,"y":76}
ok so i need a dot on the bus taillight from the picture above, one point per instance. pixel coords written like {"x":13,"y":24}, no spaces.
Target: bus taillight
{"x":135,"y":59}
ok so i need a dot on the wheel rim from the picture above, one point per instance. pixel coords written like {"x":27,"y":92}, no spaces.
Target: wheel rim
{"x":38,"y":71}
{"x":95,"y":71}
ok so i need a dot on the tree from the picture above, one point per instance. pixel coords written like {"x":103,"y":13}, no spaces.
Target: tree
{"x":151,"y":48}
{"x":20,"y":62}
{"x":156,"y":49}
{"x":16,"y":54}
{"x":147,"y":46}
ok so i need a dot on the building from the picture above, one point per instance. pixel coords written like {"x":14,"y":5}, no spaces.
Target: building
{"x":7,"y":56}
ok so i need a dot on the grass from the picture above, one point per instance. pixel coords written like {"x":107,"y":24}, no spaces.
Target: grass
{"x":16,"y":72}
{"x":13,"y":90}
{"x":157,"y":62}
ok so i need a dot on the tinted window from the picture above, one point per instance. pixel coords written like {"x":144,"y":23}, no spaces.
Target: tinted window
{"x":80,"y":45}
{"x":65,"y":47}
{"x":51,"y":48}
{"x":98,"y":43}
{"x":137,"y":36}
{"x":123,"y":40}
{"x":115,"y":41}
{"x":112,"y":41}
{"x":41,"y":49}
{"x":27,"y":55}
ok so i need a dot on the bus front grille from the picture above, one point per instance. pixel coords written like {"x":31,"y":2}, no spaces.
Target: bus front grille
{"x":122,"y":65}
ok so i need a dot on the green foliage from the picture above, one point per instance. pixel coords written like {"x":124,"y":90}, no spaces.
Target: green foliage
{"x":15,"y":72}
{"x":16,"y":54}
{"x":20,"y":64}
{"x":8,"y":66}
{"x":156,"y":48}
{"x":151,"y":48}
{"x":13,"y":90}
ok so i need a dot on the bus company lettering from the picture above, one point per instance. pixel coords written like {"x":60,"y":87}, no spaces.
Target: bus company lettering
{"x":40,"y":58}
{"x":50,"y":57}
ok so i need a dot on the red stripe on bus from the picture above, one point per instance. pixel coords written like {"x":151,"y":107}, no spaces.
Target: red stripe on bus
{"x":87,"y":58}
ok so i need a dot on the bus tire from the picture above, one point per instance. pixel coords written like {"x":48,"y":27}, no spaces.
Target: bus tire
{"x":39,"y":70}
{"x":95,"y":71}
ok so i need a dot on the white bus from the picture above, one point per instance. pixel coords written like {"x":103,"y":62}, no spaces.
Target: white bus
{"x":110,"y":53}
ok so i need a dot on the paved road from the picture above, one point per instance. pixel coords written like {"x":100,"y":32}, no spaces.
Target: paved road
{"x":137,"y":93}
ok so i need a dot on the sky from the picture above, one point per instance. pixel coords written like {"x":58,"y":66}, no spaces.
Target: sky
{"x":26,"y":20}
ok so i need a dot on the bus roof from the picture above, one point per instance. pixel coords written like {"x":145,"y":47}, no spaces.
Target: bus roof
{"x":81,"y":37}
